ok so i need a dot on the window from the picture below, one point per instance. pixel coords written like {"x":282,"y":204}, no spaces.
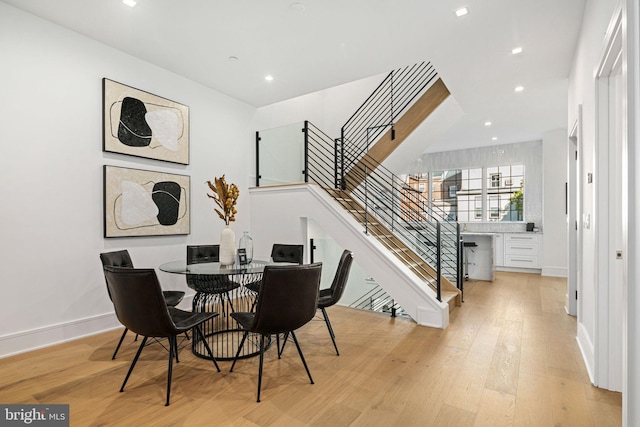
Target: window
{"x":473,"y":195}
{"x":494,"y":207}
{"x":505,"y":192}
{"x":495,"y":180}
{"x":478,"y":207}
{"x":469,"y":195}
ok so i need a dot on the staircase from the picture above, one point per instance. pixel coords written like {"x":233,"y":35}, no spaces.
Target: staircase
{"x":447,"y":291}
{"x":411,"y":230}
{"x":382,"y":203}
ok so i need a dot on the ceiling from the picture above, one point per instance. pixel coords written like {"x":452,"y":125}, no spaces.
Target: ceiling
{"x":309,"y":45}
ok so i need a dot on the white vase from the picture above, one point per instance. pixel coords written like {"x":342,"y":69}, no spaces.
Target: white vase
{"x":227,"y":246}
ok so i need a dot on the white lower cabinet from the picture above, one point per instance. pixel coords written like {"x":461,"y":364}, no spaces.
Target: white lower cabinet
{"x":519,"y":250}
{"x":522,"y":250}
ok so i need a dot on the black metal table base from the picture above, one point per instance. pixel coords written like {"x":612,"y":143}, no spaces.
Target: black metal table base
{"x":223,"y":334}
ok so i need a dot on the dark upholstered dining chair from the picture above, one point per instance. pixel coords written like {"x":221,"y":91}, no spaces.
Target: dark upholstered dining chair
{"x":330,"y":296}
{"x":212,"y":285}
{"x":141,"y":308}
{"x":123,"y":259}
{"x":288,"y":299}
{"x":281,"y":252}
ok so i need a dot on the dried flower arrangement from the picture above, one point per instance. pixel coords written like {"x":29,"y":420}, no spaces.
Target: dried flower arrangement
{"x":226,"y":197}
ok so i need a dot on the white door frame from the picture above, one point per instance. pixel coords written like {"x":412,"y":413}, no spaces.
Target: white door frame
{"x":574,"y":212}
{"x":610,"y":172}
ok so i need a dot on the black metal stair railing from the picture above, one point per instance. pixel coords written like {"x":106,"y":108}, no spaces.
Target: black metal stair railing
{"x":387,"y":207}
{"x":408,"y":224}
{"x":382,"y":108}
{"x":377,"y":299}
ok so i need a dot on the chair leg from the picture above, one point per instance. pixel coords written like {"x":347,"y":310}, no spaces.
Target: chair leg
{"x":133,"y":364}
{"x":119,"y":343}
{"x":244,"y":337}
{"x":262,"y":337}
{"x":304,"y":362}
{"x":284,"y":342}
{"x":206,"y":345}
{"x":173,"y":341}
{"x":333,"y":335}
{"x":172,"y":347}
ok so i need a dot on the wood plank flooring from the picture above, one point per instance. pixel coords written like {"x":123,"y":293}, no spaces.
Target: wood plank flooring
{"x":508,"y":358}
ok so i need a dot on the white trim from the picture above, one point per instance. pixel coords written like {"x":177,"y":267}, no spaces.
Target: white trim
{"x":631,"y":320}
{"x":607,"y":337}
{"x":586,"y":349}
{"x":46,"y":336}
{"x":554,"y":271}
{"x":519,"y":270}
{"x":50,"y":335}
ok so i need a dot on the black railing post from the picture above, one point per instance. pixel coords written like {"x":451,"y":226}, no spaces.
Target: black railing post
{"x":257,"y":159}
{"x":343,"y":184}
{"x":460,"y":258}
{"x":305,"y":130}
{"x":439,"y":262}
{"x":393,"y":209}
{"x":336,"y":177}
{"x":366,"y":204}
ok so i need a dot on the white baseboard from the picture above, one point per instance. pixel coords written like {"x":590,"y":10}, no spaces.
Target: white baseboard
{"x":554,"y":271}
{"x":519,"y":270}
{"x":34,"y":339}
{"x":586,"y":348}
{"x":47,"y":336}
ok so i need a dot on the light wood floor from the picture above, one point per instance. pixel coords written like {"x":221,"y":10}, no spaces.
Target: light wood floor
{"x":509,"y":358}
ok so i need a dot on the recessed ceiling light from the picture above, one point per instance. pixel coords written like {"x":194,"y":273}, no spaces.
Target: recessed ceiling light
{"x":129,"y":3}
{"x":516,"y":50}
{"x":297,"y":6}
{"x":462,"y":11}
{"x":519,"y":88}
{"x":487,"y":123}
{"x":495,"y":138}
{"x":268,"y":78}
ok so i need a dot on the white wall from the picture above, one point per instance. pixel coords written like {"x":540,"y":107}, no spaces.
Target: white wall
{"x":554,"y":161}
{"x":51,"y":173}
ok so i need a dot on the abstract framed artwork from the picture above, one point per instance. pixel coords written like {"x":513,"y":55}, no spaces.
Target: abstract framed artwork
{"x":145,"y":203}
{"x":138,"y":123}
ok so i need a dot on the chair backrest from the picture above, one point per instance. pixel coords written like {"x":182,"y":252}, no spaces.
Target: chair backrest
{"x":341,"y":277}
{"x":116,"y":259}
{"x":138,"y":301}
{"x":288,"y":297}
{"x":203,"y":253}
{"x":197,"y":254}
{"x":287,"y":253}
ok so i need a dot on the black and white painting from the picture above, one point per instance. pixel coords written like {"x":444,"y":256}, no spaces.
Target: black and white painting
{"x":141,"y":124}
{"x":145,"y":203}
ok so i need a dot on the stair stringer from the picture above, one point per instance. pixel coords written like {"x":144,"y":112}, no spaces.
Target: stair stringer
{"x":278,"y":214}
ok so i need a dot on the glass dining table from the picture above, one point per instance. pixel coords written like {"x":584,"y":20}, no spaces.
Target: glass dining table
{"x":221,"y":289}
